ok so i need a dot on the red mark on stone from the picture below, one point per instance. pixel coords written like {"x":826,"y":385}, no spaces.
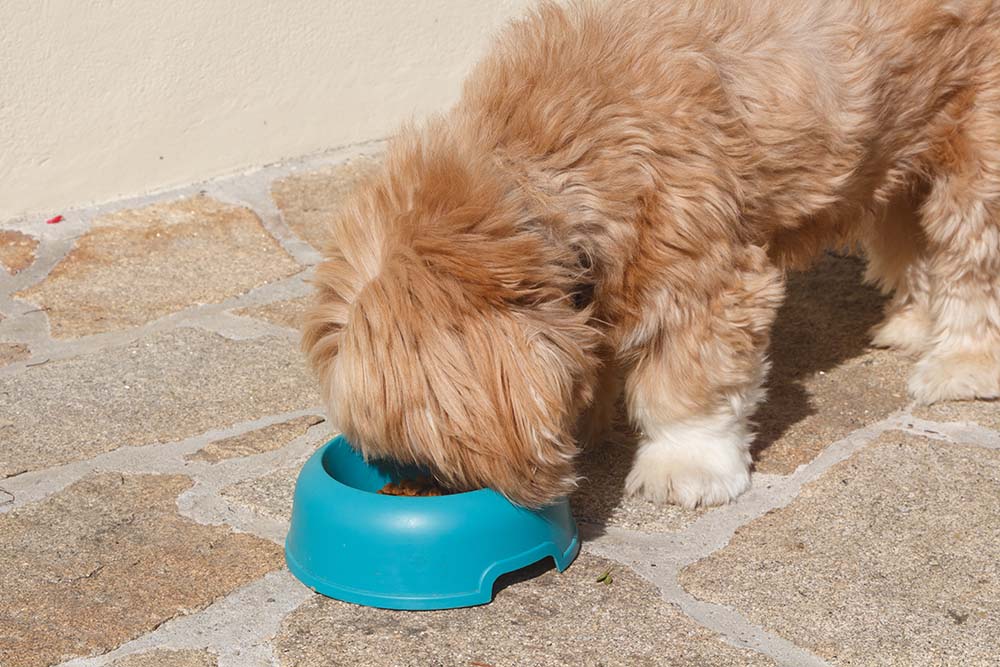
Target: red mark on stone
{"x":52,"y":221}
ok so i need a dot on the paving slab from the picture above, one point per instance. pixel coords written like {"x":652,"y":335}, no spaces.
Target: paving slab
{"x":258,"y":441}
{"x":890,"y":558}
{"x":161,"y":388}
{"x":984,"y":413}
{"x":281,"y":313}
{"x":12,"y":352}
{"x":309,"y":200}
{"x":137,"y":265}
{"x":168,"y":658}
{"x":17,"y":250}
{"x":552,"y":620}
{"x":109,"y":559}
{"x":826,"y":381}
{"x":269,"y":495}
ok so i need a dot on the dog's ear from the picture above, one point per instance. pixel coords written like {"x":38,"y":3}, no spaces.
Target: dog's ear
{"x":469,"y":358}
{"x":482,"y":390}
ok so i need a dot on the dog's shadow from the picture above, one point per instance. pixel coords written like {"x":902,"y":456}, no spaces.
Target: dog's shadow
{"x":823,"y":323}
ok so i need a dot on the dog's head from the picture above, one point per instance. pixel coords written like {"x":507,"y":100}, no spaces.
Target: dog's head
{"x":445,"y":333}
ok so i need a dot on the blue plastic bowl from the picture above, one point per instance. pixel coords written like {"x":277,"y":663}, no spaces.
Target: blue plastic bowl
{"x":350,"y":543}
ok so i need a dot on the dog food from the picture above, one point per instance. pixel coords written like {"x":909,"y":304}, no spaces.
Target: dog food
{"x":420,"y":486}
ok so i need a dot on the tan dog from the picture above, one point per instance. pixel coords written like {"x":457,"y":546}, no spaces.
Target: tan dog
{"x":620,"y":187}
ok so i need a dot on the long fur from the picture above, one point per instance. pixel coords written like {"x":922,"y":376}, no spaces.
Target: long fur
{"x":623,"y":184}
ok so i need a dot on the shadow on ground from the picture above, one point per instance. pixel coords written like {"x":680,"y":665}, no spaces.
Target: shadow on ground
{"x":823,"y":324}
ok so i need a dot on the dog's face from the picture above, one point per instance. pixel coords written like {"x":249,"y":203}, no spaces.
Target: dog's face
{"x":443,"y":334}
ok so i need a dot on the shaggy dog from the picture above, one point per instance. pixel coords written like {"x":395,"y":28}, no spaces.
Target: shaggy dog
{"x":610,"y":207}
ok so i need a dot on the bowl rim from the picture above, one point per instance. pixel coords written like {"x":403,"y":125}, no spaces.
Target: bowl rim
{"x":340,"y":443}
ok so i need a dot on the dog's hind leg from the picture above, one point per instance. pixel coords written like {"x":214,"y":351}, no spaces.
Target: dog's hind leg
{"x":897,"y":262}
{"x":596,"y":422}
{"x":961,"y":220}
{"x":695,"y":380}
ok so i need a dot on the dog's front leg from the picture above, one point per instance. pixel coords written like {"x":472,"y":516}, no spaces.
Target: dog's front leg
{"x":696,"y":380}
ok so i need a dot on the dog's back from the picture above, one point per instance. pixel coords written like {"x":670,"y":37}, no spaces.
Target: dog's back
{"x":810,"y":105}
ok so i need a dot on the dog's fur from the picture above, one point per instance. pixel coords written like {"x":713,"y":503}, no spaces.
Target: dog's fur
{"x":612,"y":203}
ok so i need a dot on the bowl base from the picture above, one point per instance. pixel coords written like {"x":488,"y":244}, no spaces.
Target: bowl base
{"x":482,"y":596}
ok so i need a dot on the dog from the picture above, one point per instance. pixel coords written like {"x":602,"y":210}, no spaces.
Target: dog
{"x":610,"y":209}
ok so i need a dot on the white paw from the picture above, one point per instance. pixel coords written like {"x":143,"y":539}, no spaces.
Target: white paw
{"x":691,"y":466}
{"x":907,"y":330}
{"x":956,"y":376}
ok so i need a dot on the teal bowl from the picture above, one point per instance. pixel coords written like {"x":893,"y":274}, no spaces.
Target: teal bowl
{"x":350,"y":543}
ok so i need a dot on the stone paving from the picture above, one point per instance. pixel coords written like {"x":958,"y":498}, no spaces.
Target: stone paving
{"x":155,"y":410}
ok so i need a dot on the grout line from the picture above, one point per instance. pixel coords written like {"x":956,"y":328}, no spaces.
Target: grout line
{"x":204,"y":503}
{"x":256,"y":196}
{"x":961,"y":433}
{"x":660,"y":558}
{"x":241,"y":327}
{"x":237,"y":627}
{"x":25,"y":322}
{"x":210,"y":317}
{"x":254,"y":191}
{"x":49,"y":253}
{"x":165,"y":458}
{"x":713,"y":531}
{"x":741,"y":632}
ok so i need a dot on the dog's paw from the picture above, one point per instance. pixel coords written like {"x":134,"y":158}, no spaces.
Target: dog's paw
{"x":689,"y":471}
{"x":907,"y":330}
{"x":956,"y":376}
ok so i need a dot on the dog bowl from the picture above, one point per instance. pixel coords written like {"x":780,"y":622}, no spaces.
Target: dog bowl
{"x":350,"y":543}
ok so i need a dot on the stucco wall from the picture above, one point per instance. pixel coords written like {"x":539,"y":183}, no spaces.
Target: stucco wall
{"x":101,"y":99}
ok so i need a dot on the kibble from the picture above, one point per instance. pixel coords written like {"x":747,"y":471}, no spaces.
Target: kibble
{"x":419,"y":486}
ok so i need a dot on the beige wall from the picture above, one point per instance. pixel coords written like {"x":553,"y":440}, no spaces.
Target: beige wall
{"x":101,"y":99}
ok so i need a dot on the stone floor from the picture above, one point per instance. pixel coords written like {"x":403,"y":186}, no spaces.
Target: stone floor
{"x":154,"y":411}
